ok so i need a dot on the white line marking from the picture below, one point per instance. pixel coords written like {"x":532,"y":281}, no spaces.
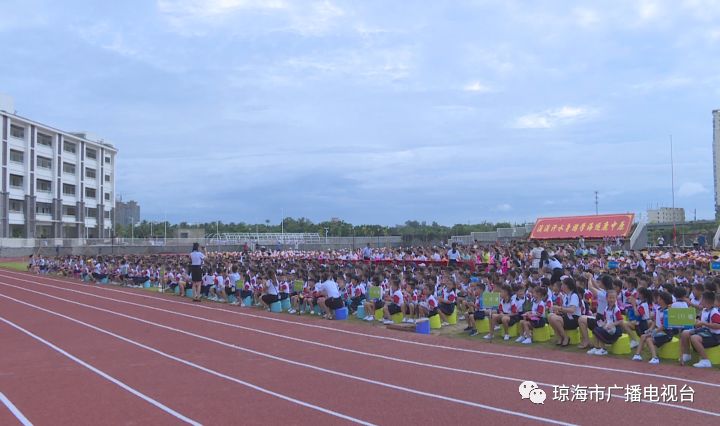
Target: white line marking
{"x":421,"y":364}
{"x":13,"y":409}
{"x":265,"y":355}
{"x":392,"y":339}
{"x":103,"y":374}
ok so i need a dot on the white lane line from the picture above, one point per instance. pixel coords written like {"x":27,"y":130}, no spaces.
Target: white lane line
{"x":104,"y":375}
{"x":384,"y":357}
{"x":269,"y":356}
{"x":372,"y":336}
{"x":190,"y":363}
{"x":14,"y":410}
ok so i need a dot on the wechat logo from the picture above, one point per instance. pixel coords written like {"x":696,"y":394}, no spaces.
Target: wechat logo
{"x":530,"y":390}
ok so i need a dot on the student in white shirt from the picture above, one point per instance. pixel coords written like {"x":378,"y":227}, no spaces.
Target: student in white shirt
{"x":329,"y":298}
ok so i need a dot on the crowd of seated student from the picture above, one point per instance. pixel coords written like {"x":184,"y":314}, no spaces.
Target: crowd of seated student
{"x":563,"y":287}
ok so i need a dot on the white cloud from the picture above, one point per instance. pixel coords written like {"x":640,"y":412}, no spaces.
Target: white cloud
{"x":664,"y":83}
{"x":586,"y":18}
{"x":552,"y":117}
{"x":211,"y":8}
{"x":688,"y":189}
{"x":504,"y":207}
{"x":477,"y":87}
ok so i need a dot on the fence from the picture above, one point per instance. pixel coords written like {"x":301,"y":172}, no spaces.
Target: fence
{"x":500,"y":234}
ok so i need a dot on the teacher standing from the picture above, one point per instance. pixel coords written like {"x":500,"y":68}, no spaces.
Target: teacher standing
{"x":196,"y":261}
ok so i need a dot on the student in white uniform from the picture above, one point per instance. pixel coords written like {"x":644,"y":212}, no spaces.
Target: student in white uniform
{"x":329,"y":298}
{"x":196,"y":261}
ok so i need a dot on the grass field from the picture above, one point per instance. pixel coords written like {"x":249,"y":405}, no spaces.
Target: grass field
{"x":15,"y":266}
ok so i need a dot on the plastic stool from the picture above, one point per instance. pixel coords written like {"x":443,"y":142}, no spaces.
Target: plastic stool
{"x":379,"y":315}
{"x":435,"y":322}
{"x":318,"y":310}
{"x":621,"y":346}
{"x":341,"y":314}
{"x":104,"y":280}
{"x":285,"y":304}
{"x":713,"y":355}
{"x":276,"y":307}
{"x":360,"y":313}
{"x":483,"y":325}
{"x":231,"y":298}
{"x":397,"y":318}
{"x":452,"y":318}
{"x":147,"y":284}
{"x":670,"y":350}
{"x":247,"y":301}
{"x":514,"y":330}
{"x":188,"y":292}
{"x":422,"y":326}
{"x":574,"y":336}
{"x":541,"y":334}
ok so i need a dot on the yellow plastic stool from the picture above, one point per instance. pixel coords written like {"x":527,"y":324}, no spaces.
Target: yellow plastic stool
{"x":574,"y":336}
{"x":670,"y":350}
{"x":541,"y":334}
{"x":483,"y":325}
{"x":379,"y":315}
{"x":552,"y":331}
{"x":514,"y":330}
{"x":713,"y":355}
{"x":452,"y":318}
{"x":621,"y":346}
{"x":435,"y":322}
{"x":397,"y":318}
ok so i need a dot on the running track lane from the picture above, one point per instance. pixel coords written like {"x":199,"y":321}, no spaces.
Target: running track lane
{"x":423,"y":379}
{"x":202,"y":396}
{"x":702,"y":398}
{"x":589,"y":412}
{"x":291,"y":379}
{"x":10,"y":414}
{"x":43,"y":385}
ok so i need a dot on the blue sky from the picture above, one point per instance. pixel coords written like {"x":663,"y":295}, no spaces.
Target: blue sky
{"x":378,"y":111}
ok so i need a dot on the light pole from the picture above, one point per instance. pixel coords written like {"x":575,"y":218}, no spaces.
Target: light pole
{"x":132,"y":229}
{"x":326,"y":234}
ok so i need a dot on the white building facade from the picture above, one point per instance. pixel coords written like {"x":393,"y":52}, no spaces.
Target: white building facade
{"x":54,"y":184}
{"x":666,"y":215}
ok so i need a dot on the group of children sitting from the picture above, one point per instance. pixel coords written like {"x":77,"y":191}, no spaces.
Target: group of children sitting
{"x":600,"y":304}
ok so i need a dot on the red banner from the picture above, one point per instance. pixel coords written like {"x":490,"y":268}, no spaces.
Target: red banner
{"x":571,"y":227}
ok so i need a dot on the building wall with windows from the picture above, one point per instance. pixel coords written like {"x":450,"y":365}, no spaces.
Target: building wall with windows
{"x":54,"y":184}
{"x":127,"y":213}
{"x":666,"y":215}
{"x":716,"y":160}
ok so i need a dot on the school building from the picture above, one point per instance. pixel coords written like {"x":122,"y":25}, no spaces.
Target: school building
{"x":54,"y":184}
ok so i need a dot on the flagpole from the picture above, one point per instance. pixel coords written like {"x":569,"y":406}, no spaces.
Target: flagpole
{"x":672,"y":177}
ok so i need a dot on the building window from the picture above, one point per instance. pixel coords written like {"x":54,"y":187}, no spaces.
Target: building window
{"x":91,"y":212}
{"x":69,"y":147}
{"x":107,"y":178}
{"x":17,"y":131}
{"x":17,"y":156}
{"x":43,"y":208}
{"x":90,"y":192}
{"x":44,"y":185}
{"x":16,"y":181}
{"x":107,"y":160}
{"x":17,"y":206}
{"x":107,"y":215}
{"x":44,"y":162}
{"x":90,"y":173}
{"x":107,"y":196}
{"x":69,"y":168}
{"x":91,"y":153}
{"x":68,"y":189}
{"x":69,"y":211}
{"x":44,"y":139}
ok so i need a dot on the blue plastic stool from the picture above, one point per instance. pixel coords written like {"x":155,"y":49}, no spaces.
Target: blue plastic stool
{"x":341,"y":314}
{"x":232,"y":298}
{"x":360,"y":313}
{"x":104,"y":280}
{"x":422,"y":326}
{"x":285,"y":304}
{"x":318,"y":310}
{"x":276,"y":307}
{"x":247,"y":301}
{"x":188,"y":292}
{"x":177,"y":289}
{"x":147,"y":284}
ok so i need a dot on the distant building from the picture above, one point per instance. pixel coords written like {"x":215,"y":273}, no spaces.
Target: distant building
{"x":716,"y":160}
{"x":197,"y":233}
{"x":54,"y":183}
{"x":666,"y":215}
{"x":335,"y":220}
{"x":127,"y":213}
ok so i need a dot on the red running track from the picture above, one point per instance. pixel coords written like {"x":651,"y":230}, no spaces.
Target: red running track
{"x":345,"y":369}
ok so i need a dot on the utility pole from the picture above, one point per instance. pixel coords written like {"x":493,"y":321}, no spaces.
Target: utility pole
{"x":596,"y":203}
{"x":672,"y":177}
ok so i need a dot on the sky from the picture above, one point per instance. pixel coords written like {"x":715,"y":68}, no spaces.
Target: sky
{"x":379,"y":111}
